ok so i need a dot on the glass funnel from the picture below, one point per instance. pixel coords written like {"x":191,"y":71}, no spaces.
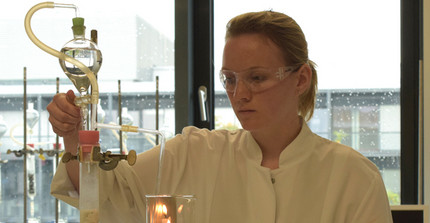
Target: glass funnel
{"x":126,"y":118}
{"x":3,"y":126}
{"x":3,"y":130}
{"x":101,"y":114}
{"x":32,"y":116}
{"x":83,"y":50}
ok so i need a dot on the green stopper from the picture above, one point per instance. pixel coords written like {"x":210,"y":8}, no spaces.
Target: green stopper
{"x":78,"y":26}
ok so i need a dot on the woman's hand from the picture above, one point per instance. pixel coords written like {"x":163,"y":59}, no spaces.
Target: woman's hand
{"x":64,"y":115}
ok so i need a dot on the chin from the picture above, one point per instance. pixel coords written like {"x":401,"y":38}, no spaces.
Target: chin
{"x":249,"y":126}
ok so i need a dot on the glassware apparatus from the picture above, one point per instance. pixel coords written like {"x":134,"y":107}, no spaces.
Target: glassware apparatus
{"x":86,"y":52}
{"x":89,"y":151}
{"x":83,"y":50}
{"x":3,"y":127}
{"x":31,"y":183}
{"x":88,"y":177}
{"x":170,"y":208}
{"x":32,"y":115}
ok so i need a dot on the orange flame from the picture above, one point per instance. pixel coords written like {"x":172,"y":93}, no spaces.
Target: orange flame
{"x":161,"y":213}
{"x":180,"y":208}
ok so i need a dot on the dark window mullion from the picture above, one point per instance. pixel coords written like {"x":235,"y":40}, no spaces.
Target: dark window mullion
{"x":411,"y":18}
{"x":193,"y":62}
{"x":203,"y":61}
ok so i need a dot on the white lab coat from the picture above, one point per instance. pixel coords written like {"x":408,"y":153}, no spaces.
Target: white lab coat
{"x":317,"y":181}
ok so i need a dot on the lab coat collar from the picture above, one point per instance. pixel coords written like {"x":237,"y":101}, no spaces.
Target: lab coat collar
{"x":296,"y":151}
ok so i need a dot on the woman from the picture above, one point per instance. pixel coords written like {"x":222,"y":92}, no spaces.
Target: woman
{"x":273,"y":170}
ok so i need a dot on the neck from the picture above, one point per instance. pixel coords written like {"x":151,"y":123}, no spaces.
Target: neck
{"x":273,"y":141}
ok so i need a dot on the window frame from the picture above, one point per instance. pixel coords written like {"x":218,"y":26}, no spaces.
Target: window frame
{"x":193,"y":63}
{"x":200,"y":14}
{"x":411,"y":55}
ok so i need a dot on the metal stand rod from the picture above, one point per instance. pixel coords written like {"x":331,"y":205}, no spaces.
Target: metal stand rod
{"x":157,"y":105}
{"x":25,"y":144}
{"x":119,"y":115}
{"x":57,"y":141}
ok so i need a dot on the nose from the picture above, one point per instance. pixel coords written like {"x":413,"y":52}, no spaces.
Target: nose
{"x":241,"y":90}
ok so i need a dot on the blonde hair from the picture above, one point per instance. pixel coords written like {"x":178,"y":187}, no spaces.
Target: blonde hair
{"x":288,"y":36}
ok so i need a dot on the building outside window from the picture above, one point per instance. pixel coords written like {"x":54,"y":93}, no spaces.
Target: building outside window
{"x":137,"y":47}
{"x":358,"y":101}
{"x":358,"y":65}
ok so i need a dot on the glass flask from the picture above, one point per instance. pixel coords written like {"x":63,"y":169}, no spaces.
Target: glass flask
{"x":126,"y":118}
{"x":101,"y":114}
{"x":32,"y":115}
{"x":3,"y":126}
{"x":83,"y":50}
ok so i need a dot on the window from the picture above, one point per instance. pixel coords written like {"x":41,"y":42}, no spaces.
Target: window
{"x":137,"y":47}
{"x":358,"y":60}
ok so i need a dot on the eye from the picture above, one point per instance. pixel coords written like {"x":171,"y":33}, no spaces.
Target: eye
{"x":258,"y":76}
{"x":228,"y":78}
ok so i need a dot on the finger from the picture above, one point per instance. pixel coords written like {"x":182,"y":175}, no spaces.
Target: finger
{"x":59,"y":112}
{"x":65,"y":126}
{"x":70,"y":95}
{"x":65,"y":103}
{"x":61,"y":119}
{"x":57,"y":131}
{"x":61,"y":126}
{"x":62,"y":133}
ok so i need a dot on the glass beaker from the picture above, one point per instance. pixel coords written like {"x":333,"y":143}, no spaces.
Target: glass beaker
{"x":170,"y":208}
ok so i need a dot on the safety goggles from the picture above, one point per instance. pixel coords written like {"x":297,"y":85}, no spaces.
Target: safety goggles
{"x":256,"y":79}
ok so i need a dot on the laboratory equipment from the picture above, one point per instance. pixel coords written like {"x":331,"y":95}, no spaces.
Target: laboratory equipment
{"x":28,"y":152}
{"x":29,"y":161}
{"x":3,"y":128}
{"x":83,"y":50}
{"x":91,"y":214}
{"x":82,"y":69}
{"x":126,"y":118}
{"x":32,"y":116}
{"x":101,"y":114}
{"x":170,"y":208}
{"x":31,"y":119}
{"x":86,"y":52}
{"x":31,"y":183}
{"x":88,"y":177}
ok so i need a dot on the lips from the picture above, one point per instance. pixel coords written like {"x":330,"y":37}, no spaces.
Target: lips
{"x":246,"y":110}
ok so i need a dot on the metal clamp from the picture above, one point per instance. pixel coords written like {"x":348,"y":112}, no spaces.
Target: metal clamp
{"x":21,"y":152}
{"x":107,"y":160}
{"x":51,"y":152}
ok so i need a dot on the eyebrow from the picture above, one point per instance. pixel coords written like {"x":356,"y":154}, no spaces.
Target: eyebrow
{"x":250,"y":68}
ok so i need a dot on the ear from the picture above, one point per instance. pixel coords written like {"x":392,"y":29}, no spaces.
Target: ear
{"x":304,"y":77}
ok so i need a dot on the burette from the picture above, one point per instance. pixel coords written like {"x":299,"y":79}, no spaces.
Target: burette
{"x":89,"y":139}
